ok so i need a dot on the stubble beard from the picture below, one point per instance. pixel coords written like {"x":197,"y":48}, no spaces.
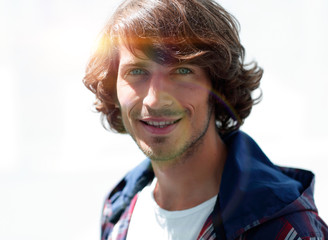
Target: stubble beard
{"x":179,"y":155}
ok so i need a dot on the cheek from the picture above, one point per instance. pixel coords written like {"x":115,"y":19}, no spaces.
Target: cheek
{"x":197,"y":105}
{"x":195,"y":95}
{"x":127,"y":99}
{"x":197,"y":89}
{"x":123,"y":92}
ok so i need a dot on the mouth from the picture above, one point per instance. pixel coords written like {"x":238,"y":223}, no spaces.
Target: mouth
{"x":160,"y":124}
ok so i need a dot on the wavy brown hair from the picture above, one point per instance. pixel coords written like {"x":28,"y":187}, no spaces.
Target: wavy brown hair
{"x":177,"y":31}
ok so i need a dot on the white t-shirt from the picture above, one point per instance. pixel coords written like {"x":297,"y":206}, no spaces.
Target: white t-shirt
{"x":149,"y":221}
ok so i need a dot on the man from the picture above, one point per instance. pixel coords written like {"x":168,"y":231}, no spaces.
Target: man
{"x":171,"y":73}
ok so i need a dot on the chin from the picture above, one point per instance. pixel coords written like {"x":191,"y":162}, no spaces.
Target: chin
{"x":158,"y":154}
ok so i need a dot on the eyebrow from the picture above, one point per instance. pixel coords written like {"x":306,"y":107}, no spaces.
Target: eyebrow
{"x":133,"y":64}
{"x":144,"y":63}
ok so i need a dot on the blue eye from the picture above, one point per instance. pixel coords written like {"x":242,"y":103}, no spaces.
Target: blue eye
{"x":137,"y":71}
{"x":183,"y":71}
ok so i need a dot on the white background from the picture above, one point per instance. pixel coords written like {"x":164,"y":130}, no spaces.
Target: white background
{"x":57,"y":162}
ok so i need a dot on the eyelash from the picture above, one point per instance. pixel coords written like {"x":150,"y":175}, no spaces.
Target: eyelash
{"x":186,"y":71}
{"x":139,"y":72}
{"x":179,"y":71}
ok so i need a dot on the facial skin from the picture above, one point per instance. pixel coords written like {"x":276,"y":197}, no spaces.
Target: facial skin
{"x":165,"y":108}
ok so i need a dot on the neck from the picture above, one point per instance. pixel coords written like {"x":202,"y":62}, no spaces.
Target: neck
{"x":192,"y":179}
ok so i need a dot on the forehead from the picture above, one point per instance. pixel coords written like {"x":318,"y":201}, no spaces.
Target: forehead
{"x":126,"y":56}
{"x":137,"y":58}
{"x":154,"y":49}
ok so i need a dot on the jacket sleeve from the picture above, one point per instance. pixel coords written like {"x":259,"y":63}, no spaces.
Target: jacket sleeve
{"x":302,"y":225}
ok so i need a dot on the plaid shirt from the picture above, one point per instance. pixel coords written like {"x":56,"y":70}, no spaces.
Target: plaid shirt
{"x":257,"y":199}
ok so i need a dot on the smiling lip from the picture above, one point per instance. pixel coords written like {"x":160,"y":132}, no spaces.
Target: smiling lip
{"x":159,"y":126}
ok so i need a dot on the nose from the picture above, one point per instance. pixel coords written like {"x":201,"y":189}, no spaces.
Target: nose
{"x":158,"y":95}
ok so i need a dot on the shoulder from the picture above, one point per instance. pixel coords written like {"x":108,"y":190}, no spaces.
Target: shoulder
{"x":302,"y":225}
{"x":119,"y":203}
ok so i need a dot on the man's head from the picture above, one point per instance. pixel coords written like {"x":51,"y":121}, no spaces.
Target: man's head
{"x":171,"y":32}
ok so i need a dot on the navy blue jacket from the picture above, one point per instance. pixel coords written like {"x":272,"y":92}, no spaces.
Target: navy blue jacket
{"x":257,"y":199}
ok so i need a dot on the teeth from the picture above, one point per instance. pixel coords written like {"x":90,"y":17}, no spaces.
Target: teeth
{"x":160,"y":124}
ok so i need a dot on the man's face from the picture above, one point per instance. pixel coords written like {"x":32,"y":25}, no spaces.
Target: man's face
{"x":165,"y":108}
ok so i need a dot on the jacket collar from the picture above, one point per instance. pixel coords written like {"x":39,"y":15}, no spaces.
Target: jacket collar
{"x":252,"y":190}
